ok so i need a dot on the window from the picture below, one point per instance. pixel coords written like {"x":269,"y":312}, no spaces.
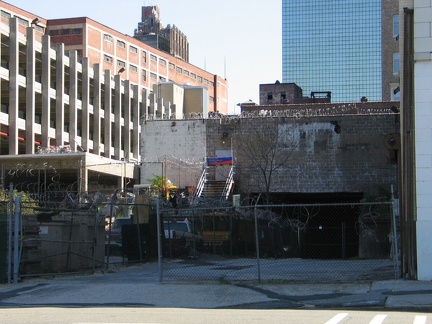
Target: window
{"x":185,"y":72}
{"x":211,"y":83}
{"x":162,"y":62}
{"x":269,"y":96}
{"x":162,"y":79}
{"x":193,"y":76}
{"x":171,"y":66}
{"x":5,"y":14}
{"x":121,"y":63}
{"x":396,"y":63}
{"x":133,"y":68}
{"x":144,"y":75}
{"x":395,"y":26}
{"x":4,"y":108}
{"x":77,"y":31}
{"x":54,"y":32}
{"x":108,"y":38}
{"x":108,"y":58}
{"x":144,"y":57}
{"x":199,"y":79}
{"x":133,"y":49}
{"x":39,"y":28}
{"x":179,"y":69}
{"x":395,"y":92}
{"x":66,"y":31}
{"x":153,"y":58}
{"x":22,"y":21}
{"x":283,"y":97}
{"x":206,"y":81}
{"x":121,"y":44}
{"x":153,"y":76}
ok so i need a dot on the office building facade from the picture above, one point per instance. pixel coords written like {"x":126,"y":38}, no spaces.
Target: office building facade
{"x":337,"y":46}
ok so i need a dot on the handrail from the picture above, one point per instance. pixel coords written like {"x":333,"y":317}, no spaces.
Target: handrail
{"x":228,"y":184}
{"x":200,"y":186}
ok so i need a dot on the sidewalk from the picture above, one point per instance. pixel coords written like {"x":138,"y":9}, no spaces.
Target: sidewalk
{"x":139,"y":286}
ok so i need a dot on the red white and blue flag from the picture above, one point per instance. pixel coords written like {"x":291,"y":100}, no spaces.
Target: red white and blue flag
{"x":213,"y":161}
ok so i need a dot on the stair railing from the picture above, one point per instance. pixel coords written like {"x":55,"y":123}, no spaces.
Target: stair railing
{"x":201,"y":183}
{"x":228,"y":184}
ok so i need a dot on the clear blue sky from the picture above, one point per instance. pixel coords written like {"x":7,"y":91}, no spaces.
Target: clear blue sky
{"x":237,"y":39}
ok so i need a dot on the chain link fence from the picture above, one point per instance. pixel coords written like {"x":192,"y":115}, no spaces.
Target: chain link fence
{"x":55,"y":241}
{"x":208,"y":241}
{"x":58,"y":236}
{"x":3,"y":242}
{"x":306,"y":243}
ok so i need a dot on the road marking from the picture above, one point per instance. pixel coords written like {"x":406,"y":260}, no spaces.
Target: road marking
{"x":419,"y":319}
{"x":339,"y":317}
{"x":378,"y":319}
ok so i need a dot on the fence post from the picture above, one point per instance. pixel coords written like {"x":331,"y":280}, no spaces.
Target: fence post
{"x":16,"y":239}
{"x":10,"y":222}
{"x":158,"y":226}
{"x":257,"y":242}
{"x":107,"y":247}
{"x":394,"y":206}
{"x":113,"y":199}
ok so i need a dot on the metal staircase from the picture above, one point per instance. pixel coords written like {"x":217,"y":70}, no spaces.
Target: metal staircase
{"x":213,"y":188}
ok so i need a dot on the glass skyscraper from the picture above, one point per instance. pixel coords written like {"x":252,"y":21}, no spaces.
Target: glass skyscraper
{"x":333,"y":45}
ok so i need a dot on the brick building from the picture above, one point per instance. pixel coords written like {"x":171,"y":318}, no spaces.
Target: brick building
{"x":143,"y":64}
{"x":289,"y":93}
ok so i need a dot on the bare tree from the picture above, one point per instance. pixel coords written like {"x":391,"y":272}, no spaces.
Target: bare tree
{"x":260,"y":154}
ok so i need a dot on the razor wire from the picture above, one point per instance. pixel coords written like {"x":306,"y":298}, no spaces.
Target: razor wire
{"x":269,"y":111}
{"x":298,"y":242}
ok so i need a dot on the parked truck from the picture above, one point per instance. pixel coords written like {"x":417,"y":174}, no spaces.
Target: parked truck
{"x":181,"y":236}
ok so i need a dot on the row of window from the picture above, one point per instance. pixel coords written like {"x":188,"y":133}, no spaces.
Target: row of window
{"x":283,"y":96}
{"x":120,"y":63}
{"x":21,"y":21}
{"x":191,"y":75}
{"x":153,"y":58}
{"x":66,"y":32}
{"x":153,"y":76}
{"x":120,"y":43}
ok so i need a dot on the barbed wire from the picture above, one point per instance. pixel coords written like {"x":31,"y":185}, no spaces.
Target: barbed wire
{"x":42,"y":182}
{"x":55,"y":149}
{"x":171,"y":159}
{"x":293,"y":112}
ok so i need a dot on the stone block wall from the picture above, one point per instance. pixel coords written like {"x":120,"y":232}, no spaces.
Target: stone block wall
{"x":352,"y":158}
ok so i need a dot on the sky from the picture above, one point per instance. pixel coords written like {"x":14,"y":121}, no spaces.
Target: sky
{"x":240,"y":40}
